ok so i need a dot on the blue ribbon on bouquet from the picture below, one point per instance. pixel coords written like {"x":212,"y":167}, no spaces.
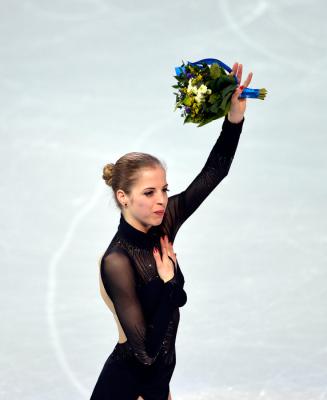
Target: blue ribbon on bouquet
{"x":246,"y":93}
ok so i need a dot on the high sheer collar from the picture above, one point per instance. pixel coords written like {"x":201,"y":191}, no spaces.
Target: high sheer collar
{"x":137,"y":237}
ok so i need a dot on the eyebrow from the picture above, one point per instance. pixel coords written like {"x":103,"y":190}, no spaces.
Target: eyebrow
{"x":154,"y":188}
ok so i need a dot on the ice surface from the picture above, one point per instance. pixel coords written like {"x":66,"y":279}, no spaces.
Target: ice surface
{"x":84,"y":82}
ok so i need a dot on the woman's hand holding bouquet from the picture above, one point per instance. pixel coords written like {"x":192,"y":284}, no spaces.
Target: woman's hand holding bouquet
{"x":238,"y":104}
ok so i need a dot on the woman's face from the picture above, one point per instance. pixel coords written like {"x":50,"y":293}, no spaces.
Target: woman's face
{"x":148,"y":195}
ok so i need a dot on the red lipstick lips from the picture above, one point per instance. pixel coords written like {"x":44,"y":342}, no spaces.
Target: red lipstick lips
{"x":160,"y":212}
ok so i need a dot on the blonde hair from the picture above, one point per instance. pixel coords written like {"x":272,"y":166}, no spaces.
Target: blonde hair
{"x":125,"y":172}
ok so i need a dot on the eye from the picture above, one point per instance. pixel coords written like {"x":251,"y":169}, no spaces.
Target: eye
{"x":151,"y":192}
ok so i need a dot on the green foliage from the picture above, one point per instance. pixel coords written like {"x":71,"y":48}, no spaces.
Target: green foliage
{"x":215,"y":71}
{"x":188,"y":119}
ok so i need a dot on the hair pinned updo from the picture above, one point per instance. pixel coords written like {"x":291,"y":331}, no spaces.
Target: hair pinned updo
{"x":125,"y":172}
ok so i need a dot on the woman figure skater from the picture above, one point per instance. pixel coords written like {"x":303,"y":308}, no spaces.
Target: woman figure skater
{"x":140,"y":278}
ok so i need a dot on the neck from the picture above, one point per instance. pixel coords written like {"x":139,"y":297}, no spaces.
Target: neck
{"x":135,"y":223}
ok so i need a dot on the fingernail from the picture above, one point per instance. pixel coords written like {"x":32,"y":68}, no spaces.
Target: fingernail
{"x":241,"y":87}
{"x":155,"y":250}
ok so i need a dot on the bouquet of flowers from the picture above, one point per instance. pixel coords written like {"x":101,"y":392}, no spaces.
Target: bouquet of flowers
{"x":205,"y":90}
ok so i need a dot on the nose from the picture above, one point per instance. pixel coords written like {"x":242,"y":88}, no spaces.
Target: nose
{"x":161,"y":199}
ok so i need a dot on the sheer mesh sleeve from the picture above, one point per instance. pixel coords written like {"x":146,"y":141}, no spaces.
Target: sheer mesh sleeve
{"x":119,"y":281}
{"x":182,"y":205}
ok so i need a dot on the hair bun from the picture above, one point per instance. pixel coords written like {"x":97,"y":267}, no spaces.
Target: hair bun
{"x":107,"y":173}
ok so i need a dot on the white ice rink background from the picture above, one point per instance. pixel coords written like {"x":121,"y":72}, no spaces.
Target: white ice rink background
{"x":84,"y":82}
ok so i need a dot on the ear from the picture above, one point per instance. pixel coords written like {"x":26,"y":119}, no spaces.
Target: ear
{"x":121,"y":196}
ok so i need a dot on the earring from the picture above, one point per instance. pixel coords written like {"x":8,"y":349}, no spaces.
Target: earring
{"x":125,"y":204}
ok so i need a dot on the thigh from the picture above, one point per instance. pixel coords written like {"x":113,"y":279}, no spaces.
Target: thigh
{"x":116,"y":382}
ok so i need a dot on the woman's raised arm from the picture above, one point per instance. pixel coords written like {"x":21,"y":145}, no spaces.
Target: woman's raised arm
{"x":182,"y":205}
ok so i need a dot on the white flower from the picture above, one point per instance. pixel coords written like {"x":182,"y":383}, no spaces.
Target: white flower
{"x":199,"y":98}
{"x":203,"y":89}
{"x":191,"y":88}
{"x":199,"y":92}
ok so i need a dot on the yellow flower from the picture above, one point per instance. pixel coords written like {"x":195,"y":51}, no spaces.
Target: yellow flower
{"x":199,"y":78}
{"x":196,"y":109}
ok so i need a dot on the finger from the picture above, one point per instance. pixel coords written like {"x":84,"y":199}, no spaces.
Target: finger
{"x":236,"y":95}
{"x":171,"y":247}
{"x":171,"y":251}
{"x":239,"y":73}
{"x":173,"y":261}
{"x":234,"y":69}
{"x":248,"y":80}
{"x":163,"y":247}
{"x":156,"y":255}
